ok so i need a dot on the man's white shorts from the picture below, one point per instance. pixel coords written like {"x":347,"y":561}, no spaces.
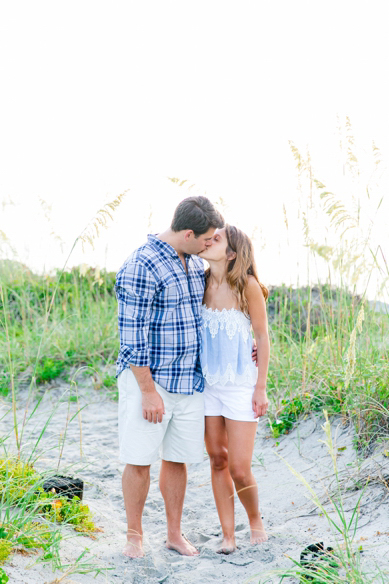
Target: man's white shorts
{"x":178,"y":438}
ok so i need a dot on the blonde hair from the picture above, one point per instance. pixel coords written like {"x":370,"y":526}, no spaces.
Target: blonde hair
{"x":242,"y":266}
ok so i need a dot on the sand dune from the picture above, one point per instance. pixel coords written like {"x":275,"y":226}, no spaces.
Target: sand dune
{"x":290,"y":518}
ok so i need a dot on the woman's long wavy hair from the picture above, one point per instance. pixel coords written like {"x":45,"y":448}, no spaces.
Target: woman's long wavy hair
{"x":242,"y":266}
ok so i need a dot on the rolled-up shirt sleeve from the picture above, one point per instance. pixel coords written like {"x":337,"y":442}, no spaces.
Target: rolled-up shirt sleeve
{"x":135,"y":289}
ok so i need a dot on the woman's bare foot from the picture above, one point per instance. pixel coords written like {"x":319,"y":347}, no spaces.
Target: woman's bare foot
{"x":181,"y":545}
{"x":257,"y":531}
{"x":228,"y":546}
{"x":133,"y":547}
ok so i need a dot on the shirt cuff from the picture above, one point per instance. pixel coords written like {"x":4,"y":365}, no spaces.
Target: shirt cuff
{"x":137,"y":357}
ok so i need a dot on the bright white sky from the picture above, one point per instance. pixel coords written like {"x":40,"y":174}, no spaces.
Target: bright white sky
{"x":98,"y":97}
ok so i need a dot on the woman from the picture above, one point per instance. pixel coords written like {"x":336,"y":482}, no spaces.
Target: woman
{"x":235,"y":390}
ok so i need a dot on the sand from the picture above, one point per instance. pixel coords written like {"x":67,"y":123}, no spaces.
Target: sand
{"x":291,"y":519}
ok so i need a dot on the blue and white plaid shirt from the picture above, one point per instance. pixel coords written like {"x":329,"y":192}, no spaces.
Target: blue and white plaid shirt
{"x":160,"y":315}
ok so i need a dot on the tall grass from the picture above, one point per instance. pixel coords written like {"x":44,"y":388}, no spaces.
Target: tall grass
{"x":324,"y":354}
{"x":79,"y":329}
{"x":342,"y":561}
{"x":334,"y":367}
{"x":310,"y":330}
{"x":329,"y":345}
{"x":49,"y":323}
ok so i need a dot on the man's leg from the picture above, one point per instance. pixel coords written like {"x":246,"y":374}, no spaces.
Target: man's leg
{"x":139,"y":442}
{"x":172,"y":482}
{"x":183,"y":441}
{"x":135,"y":483}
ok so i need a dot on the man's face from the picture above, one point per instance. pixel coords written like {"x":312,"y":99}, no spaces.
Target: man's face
{"x":195,"y":245}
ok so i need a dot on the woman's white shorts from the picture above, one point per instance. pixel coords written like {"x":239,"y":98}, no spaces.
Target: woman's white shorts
{"x":178,"y":438}
{"x":230,"y":401}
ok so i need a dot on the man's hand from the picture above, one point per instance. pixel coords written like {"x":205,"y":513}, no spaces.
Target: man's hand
{"x":254,"y":353}
{"x":153,"y":407}
{"x":260,"y":402}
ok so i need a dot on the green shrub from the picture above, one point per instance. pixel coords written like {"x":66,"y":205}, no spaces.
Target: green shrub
{"x":48,"y":369}
{"x":5,"y":384}
{"x":21,"y":484}
{"x":5,"y":549}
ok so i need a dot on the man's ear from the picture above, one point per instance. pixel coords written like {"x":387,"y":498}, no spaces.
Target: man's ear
{"x":188,"y":234}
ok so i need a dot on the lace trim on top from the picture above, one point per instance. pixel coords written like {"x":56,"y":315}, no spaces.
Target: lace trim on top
{"x":230,"y":320}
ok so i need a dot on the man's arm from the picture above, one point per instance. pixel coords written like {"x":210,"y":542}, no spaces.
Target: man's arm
{"x":135,"y":290}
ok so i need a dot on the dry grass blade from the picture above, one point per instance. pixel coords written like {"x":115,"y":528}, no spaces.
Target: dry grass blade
{"x":180,"y":182}
{"x":91,"y":231}
{"x":351,"y":356}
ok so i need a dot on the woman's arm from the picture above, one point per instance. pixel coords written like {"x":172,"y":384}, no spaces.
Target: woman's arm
{"x":258,"y":317}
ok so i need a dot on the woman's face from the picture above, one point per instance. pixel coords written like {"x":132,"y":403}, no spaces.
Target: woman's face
{"x":217,"y":251}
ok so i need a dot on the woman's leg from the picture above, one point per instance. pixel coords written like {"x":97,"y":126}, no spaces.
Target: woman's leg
{"x":222,"y":485}
{"x":241,"y":436}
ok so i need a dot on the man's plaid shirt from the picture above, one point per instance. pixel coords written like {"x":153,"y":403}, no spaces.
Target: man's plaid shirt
{"x":160,"y":315}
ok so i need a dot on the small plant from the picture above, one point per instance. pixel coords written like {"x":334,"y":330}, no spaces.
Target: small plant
{"x":16,"y":479}
{"x":64,"y":510}
{"x":341,"y":564}
{"x":3,"y":577}
{"x":4,"y":384}
{"x":48,"y":369}
{"x":5,"y":549}
{"x":319,"y":564}
{"x":34,"y":535}
{"x":21,"y":484}
{"x":287,"y":417}
{"x":110,"y":382}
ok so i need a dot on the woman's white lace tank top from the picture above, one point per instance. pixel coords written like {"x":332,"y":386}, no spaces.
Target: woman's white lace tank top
{"x":226,"y":347}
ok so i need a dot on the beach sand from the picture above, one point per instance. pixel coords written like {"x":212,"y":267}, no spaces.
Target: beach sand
{"x":291,"y":519}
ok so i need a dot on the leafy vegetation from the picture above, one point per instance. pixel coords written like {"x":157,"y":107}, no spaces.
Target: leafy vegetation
{"x":329,"y":350}
{"x":54,"y":323}
{"x":49,"y":325}
{"x":20,"y":484}
{"x":341,"y":563}
{"x":310,"y":331}
{"x":33,"y":523}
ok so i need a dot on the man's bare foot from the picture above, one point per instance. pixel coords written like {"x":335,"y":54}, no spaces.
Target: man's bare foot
{"x":228,"y":546}
{"x":181,"y":545}
{"x":257,"y":531}
{"x":133,"y":547}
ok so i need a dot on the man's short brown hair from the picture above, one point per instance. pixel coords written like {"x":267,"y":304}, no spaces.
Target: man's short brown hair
{"x":197,"y":214}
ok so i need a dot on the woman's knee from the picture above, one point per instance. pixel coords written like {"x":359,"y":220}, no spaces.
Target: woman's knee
{"x":242,"y":475}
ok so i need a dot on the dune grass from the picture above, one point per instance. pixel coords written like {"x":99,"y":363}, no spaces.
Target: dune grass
{"x":79,"y":328}
{"x":318,"y":369}
{"x":49,"y":324}
{"x":329,"y":350}
{"x":311,"y":332}
{"x":340,"y":562}
{"x":329,"y":346}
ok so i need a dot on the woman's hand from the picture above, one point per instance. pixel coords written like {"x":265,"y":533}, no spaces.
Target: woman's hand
{"x":260,"y":402}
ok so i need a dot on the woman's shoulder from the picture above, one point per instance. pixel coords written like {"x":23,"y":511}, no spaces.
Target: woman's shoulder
{"x":254,"y":292}
{"x":252,"y":284}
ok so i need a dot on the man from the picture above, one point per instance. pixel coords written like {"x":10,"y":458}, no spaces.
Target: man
{"x":160,"y":290}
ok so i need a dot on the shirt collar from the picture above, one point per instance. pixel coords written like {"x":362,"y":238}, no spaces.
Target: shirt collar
{"x":164,"y":247}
